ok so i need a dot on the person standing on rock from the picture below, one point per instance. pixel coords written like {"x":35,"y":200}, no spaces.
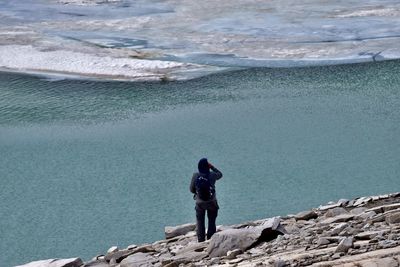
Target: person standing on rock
{"x":202,"y":186}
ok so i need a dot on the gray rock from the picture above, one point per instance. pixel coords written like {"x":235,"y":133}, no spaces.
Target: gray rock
{"x":306,"y":215}
{"x":138,"y":260}
{"x":233,"y":253}
{"x":123,"y":253}
{"x":174,"y":231}
{"x":362,"y":201}
{"x":189,"y":256}
{"x":322,"y":241}
{"x":338,"y":228}
{"x":393,"y":217}
{"x":73,"y":262}
{"x":384,"y":262}
{"x":112,"y":249}
{"x":345,"y":245}
{"x":335,"y":212}
{"x":366,"y":215}
{"x":96,"y":263}
{"x":339,"y":218}
{"x":132,"y":246}
{"x":358,"y":210}
{"x":387,"y":244}
{"x":368,"y":235}
{"x":329,"y":206}
{"x":242,"y":239}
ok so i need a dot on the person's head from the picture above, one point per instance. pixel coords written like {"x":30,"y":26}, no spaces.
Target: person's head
{"x":204,"y":166}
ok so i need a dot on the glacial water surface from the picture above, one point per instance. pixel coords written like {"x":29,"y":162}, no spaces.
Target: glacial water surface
{"x":87,"y":164}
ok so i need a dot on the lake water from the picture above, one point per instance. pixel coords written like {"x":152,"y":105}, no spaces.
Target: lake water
{"x":86,"y":164}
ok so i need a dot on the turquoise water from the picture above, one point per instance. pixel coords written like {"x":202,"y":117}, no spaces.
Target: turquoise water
{"x":86,"y":165}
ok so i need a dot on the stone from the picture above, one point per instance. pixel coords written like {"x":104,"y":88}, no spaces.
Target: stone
{"x":112,"y":249}
{"x":366,"y":215}
{"x":72,"y":262}
{"x":242,"y":239}
{"x":344,"y":245}
{"x":383,"y":262}
{"x":339,"y":218}
{"x":97,"y":263}
{"x":132,"y":246}
{"x":393,"y":217}
{"x":335,"y":212}
{"x":306,"y":215}
{"x":362,"y":201}
{"x":231,"y":254}
{"x":329,"y":206}
{"x":322,"y":241}
{"x":338,"y":228}
{"x":387,"y":244}
{"x":358,"y":210}
{"x":189,"y":256}
{"x":174,"y":231}
{"x":123,"y":253}
{"x":138,"y":260}
{"x":368,"y":235}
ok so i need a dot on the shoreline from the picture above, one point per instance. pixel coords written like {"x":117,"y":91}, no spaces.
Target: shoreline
{"x":179,"y":72}
{"x":362,"y":232}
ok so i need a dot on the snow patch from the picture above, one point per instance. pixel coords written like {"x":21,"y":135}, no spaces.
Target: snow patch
{"x":28,"y":58}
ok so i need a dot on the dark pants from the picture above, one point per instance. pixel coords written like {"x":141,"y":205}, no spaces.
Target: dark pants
{"x":212,"y":212}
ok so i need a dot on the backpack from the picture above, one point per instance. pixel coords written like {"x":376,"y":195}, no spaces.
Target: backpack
{"x":203,"y":188}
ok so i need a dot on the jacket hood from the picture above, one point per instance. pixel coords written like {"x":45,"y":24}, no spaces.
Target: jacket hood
{"x":203,"y":166}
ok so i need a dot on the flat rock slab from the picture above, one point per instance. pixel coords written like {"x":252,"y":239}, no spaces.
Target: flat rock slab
{"x":306,"y":215}
{"x":73,"y":262}
{"x":173,"y":231}
{"x":339,"y":218}
{"x":138,"y":260}
{"x":243,"y":239}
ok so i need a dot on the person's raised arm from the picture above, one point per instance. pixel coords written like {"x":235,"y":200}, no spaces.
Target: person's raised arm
{"x":216,"y":171}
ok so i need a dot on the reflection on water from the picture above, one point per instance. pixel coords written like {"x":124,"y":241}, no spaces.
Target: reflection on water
{"x":86,"y":165}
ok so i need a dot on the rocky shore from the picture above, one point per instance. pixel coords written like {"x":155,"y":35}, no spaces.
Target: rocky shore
{"x":363,"y":232}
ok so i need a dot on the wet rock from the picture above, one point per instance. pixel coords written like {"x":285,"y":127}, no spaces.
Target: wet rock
{"x":306,"y":215}
{"x":73,"y":262}
{"x":174,"y":231}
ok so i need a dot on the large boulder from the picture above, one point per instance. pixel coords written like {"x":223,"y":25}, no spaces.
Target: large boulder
{"x":245,"y":238}
{"x":173,"y":231}
{"x":73,"y":262}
